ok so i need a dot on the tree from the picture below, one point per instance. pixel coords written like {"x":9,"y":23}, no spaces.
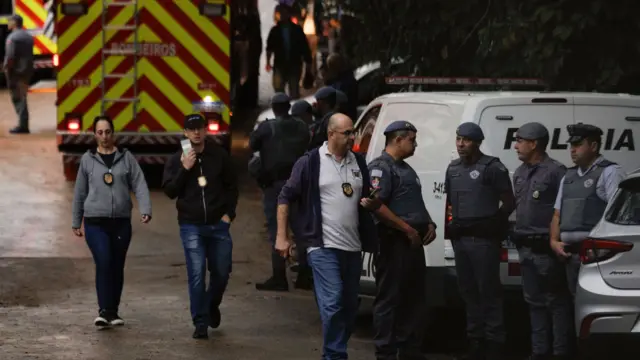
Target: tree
{"x":573,"y":44}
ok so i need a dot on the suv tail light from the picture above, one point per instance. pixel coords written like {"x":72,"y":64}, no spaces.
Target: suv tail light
{"x":597,"y":250}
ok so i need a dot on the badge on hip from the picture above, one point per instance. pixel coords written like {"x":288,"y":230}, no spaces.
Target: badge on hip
{"x":202,"y":181}
{"x":108,"y":177}
{"x":347,"y":189}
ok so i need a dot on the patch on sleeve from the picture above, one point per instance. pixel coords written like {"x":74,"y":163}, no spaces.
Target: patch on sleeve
{"x":376,"y":173}
{"x":375,"y":182}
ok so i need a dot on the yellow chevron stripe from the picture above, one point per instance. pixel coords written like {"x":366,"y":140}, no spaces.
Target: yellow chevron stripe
{"x":79,"y":26}
{"x":207,"y":61}
{"x":48,"y":43}
{"x":37,"y":9}
{"x":207,"y":27}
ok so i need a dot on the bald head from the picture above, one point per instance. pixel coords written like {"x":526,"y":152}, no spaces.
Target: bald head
{"x":339,"y":121}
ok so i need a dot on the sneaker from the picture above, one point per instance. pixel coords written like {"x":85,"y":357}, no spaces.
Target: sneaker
{"x":102,"y":319}
{"x":273,"y":284}
{"x":214,"y":317}
{"x":116,"y":320}
{"x":201,"y":332}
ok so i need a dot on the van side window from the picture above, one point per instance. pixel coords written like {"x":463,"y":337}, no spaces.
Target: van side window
{"x":365,"y":130}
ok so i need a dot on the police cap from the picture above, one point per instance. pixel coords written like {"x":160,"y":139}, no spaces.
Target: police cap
{"x":341,"y":97}
{"x":532,"y":131}
{"x":400,"y":125}
{"x":580,"y":131}
{"x":325,"y":93}
{"x":471,"y":131}
{"x":280,"y":98}
{"x":301,"y":107}
{"x":194,"y":121}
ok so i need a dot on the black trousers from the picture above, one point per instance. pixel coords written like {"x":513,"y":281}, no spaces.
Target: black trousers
{"x":399,"y":308}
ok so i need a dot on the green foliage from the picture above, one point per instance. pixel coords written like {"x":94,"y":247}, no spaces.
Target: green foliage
{"x":573,"y":44}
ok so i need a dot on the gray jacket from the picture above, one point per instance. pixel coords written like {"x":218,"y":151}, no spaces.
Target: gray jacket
{"x":94,"y":198}
{"x":19,"y":49}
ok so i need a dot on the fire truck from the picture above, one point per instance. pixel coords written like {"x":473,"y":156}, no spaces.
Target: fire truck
{"x":39,"y":21}
{"x":148,"y":63}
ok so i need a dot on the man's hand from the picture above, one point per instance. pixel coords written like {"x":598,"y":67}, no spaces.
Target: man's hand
{"x":189,"y":160}
{"x":430,"y":236}
{"x":145,"y":219}
{"x":78,"y":232}
{"x":370,"y":204}
{"x":226,"y":219}
{"x":282,"y":246}
{"x":558,"y":248}
{"x":413,"y":236}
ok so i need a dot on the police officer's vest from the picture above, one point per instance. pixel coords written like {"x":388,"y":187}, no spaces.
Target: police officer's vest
{"x":472,"y":196}
{"x":535,"y":199}
{"x":581,"y":207}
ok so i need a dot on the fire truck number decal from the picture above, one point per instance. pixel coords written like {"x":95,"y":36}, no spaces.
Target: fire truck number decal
{"x":80,"y":82}
{"x":147,"y":49}
{"x":207,"y":86}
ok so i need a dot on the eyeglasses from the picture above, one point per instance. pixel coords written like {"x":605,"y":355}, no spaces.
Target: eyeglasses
{"x":347,"y":132}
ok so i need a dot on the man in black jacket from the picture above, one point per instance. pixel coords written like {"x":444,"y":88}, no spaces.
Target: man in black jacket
{"x":205,"y":184}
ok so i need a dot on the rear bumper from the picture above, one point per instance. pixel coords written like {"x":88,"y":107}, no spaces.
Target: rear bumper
{"x":148,"y":148}
{"x":603,"y":310}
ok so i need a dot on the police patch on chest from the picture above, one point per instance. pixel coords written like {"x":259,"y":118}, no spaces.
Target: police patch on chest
{"x":588,"y":183}
{"x":474,"y":174}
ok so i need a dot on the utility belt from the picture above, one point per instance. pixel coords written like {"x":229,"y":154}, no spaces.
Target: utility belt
{"x":538,"y":243}
{"x":493,"y":227}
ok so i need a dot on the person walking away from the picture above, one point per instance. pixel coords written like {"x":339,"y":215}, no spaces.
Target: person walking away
{"x":287,"y":45}
{"x":326,"y":105}
{"x":102,"y":200}
{"x":585,"y":190}
{"x":404,"y":227}
{"x":281,"y":142}
{"x":536,"y":183}
{"x":340,"y":76}
{"x":205,"y":185}
{"x":302,"y":110}
{"x":18,"y":69}
{"x":475,"y":185}
{"x":331,"y":186}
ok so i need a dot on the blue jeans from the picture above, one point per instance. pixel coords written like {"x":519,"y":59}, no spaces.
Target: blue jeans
{"x":109,"y":241}
{"x":336,"y":275}
{"x":206,"y":246}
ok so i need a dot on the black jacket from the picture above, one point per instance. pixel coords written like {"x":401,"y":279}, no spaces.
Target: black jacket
{"x":198,"y":205}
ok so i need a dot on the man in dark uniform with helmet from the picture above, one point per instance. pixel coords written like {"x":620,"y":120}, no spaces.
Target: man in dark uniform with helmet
{"x":536,"y":183}
{"x":584,"y":193}
{"x":404,"y":227}
{"x":475,"y":185}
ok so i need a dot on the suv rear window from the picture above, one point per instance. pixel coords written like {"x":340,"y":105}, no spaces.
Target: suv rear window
{"x":625,"y":209}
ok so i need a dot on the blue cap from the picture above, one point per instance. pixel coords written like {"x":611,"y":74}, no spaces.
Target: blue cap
{"x":280,"y":98}
{"x":580,"y":131}
{"x":325,"y":92}
{"x":341,"y":97}
{"x":400,"y":125}
{"x":471,"y":131}
{"x":532,"y":131}
{"x":301,"y":107}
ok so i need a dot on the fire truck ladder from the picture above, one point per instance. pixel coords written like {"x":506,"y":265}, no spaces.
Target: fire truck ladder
{"x":133,"y":75}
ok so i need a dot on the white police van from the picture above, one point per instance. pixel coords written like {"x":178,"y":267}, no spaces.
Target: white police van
{"x":436,"y":115}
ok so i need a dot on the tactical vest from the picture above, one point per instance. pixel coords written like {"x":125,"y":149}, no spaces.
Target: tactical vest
{"x":535,"y":198}
{"x":471,"y":193}
{"x":581,"y":207}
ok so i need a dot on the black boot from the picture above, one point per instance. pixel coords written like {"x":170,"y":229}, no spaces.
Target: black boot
{"x":476,"y":350}
{"x":495,"y":351}
{"x":304,"y":281}
{"x":278,"y":281}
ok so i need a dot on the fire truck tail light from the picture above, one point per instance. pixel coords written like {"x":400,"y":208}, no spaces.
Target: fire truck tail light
{"x":213,"y":126}
{"x":73,"y":124}
{"x":56,"y":60}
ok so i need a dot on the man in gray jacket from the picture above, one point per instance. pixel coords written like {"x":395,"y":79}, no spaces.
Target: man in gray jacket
{"x":18,"y":69}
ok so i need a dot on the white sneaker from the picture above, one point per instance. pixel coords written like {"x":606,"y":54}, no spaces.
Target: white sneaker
{"x":101,"y":321}
{"x":116,"y":320}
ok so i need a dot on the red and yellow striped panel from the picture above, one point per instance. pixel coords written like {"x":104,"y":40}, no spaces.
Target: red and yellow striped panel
{"x":34,"y":15}
{"x":184,"y":57}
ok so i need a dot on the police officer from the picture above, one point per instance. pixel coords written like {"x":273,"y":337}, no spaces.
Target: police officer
{"x":404,"y":227}
{"x":303,"y":111}
{"x":536,"y":183}
{"x":280,"y":141}
{"x":18,"y":69}
{"x":584,"y":193}
{"x":326,"y":106}
{"x":475,"y":184}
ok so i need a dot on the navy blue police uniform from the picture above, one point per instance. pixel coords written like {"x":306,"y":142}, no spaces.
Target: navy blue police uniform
{"x":400,"y":267}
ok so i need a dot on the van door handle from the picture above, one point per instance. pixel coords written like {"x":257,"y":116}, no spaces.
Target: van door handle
{"x":632,"y":118}
{"x":504,"y":117}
